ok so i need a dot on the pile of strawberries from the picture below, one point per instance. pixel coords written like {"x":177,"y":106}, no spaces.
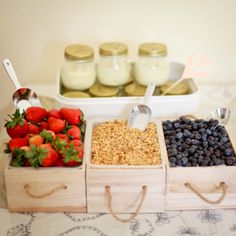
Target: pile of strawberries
{"x":42,"y":138}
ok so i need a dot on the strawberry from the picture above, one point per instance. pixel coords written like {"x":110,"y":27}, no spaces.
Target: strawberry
{"x":43,"y":125}
{"x":56,"y":125}
{"x":33,"y":129}
{"x":77,"y":143}
{"x":48,"y":135}
{"x":60,"y":163}
{"x":74,"y":132}
{"x":17,"y":126}
{"x":19,"y":156}
{"x":71,"y":155}
{"x":44,"y":155}
{"x":54,"y":113}
{"x":72,"y":115}
{"x":63,"y":137}
{"x":16,"y":143}
{"x":36,"y":140}
{"x":35,"y":114}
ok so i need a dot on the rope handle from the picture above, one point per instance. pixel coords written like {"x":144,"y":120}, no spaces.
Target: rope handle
{"x":109,"y":198}
{"x":27,"y":188}
{"x":222,"y":186}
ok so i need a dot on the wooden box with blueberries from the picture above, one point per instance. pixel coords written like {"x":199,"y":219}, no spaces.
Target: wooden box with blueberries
{"x":201,"y":164}
{"x":45,"y":171}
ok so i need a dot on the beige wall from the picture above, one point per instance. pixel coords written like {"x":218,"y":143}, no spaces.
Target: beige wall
{"x":34,"y":33}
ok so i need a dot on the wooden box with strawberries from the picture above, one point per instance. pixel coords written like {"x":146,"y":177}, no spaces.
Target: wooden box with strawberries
{"x":45,"y":171}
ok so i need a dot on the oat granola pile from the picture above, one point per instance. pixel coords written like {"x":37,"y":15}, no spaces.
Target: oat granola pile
{"x":114,"y":144}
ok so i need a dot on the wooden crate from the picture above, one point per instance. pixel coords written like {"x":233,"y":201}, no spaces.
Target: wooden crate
{"x":205,"y":180}
{"x":125,"y":182}
{"x":51,"y":189}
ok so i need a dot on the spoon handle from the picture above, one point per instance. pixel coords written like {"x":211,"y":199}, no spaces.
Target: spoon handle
{"x":11,"y":72}
{"x":148,"y":93}
{"x":172,"y":86}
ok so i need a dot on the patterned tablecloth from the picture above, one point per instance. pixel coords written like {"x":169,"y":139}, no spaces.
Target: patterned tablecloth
{"x":202,"y":222}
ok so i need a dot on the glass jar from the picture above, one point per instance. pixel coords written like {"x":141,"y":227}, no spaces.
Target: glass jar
{"x":113,"y":67}
{"x":152,"y":64}
{"x":78,"y":71}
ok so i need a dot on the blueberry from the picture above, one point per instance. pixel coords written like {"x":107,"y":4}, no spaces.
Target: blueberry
{"x":188,"y":141}
{"x":224,"y":139}
{"x":184,"y":161}
{"x":179,"y":135}
{"x":208,"y":132}
{"x":228,"y":152}
{"x":176,"y":125}
{"x":198,"y":136}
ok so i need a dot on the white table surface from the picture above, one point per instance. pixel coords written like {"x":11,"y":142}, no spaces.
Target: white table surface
{"x":202,"y":222}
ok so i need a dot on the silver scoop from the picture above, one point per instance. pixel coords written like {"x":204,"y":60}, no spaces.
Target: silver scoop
{"x":141,"y":113}
{"x":222,"y":114}
{"x":22,"y":97}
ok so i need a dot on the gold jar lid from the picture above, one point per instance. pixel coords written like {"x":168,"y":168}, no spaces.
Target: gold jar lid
{"x":76,"y":94}
{"x":79,"y":52}
{"x":179,"y":89}
{"x":99,"y":90}
{"x":113,"y":49}
{"x":135,"y":89}
{"x":152,"y":49}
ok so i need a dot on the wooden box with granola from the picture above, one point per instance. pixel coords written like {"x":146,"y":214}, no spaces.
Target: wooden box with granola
{"x":45,"y":171}
{"x":125,"y":171}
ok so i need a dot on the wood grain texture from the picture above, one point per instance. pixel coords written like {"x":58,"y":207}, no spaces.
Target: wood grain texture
{"x":44,"y":180}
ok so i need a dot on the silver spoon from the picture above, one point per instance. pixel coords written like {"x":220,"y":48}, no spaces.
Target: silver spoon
{"x":22,"y":97}
{"x":141,"y":113}
{"x":222,"y":114}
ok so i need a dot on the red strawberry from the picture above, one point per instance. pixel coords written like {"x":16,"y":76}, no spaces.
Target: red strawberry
{"x":43,"y":125}
{"x":48,"y":135}
{"x":71,"y":155}
{"x":26,"y":163}
{"x":55,"y":113}
{"x":74,"y":132}
{"x":63,"y":137}
{"x":35,"y":114}
{"x":36,"y":140}
{"x":56,"y":125}
{"x":17,"y":143}
{"x":44,"y":155}
{"x":33,"y":129}
{"x":77,"y":143}
{"x":28,"y":136}
{"x":17,"y":126}
{"x":60,"y":162}
{"x":72,"y":115}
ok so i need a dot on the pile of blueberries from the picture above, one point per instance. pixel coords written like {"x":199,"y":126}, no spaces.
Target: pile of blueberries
{"x":197,"y":143}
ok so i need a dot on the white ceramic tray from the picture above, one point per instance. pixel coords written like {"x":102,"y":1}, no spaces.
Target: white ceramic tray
{"x":161,"y":106}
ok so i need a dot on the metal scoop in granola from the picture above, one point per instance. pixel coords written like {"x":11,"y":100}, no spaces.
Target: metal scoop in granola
{"x":141,"y":113}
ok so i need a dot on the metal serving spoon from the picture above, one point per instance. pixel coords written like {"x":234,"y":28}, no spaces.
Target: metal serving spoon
{"x":141,"y":113}
{"x":222,"y":114}
{"x":22,"y":97}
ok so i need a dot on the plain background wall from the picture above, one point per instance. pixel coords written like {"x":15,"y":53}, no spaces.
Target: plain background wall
{"x":33,"y":34}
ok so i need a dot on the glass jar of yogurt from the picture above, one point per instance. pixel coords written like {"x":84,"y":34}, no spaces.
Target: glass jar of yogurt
{"x":78,"y":71}
{"x":152,"y":64}
{"x":113,"y":67}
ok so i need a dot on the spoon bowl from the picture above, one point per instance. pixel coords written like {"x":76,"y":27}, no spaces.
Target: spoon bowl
{"x":22,"y":97}
{"x":222,"y":114}
{"x":141,"y":113}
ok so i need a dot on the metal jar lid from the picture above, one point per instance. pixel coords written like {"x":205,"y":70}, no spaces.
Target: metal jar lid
{"x":152,"y":49}
{"x":79,"y":52}
{"x":113,"y":49}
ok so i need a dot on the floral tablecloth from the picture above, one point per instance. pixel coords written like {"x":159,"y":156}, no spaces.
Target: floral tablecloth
{"x":202,"y":222}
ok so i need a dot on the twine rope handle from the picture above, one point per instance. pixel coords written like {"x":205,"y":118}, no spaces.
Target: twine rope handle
{"x":54,"y":190}
{"x":222,"y":185}
{"x":109,"y":198}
